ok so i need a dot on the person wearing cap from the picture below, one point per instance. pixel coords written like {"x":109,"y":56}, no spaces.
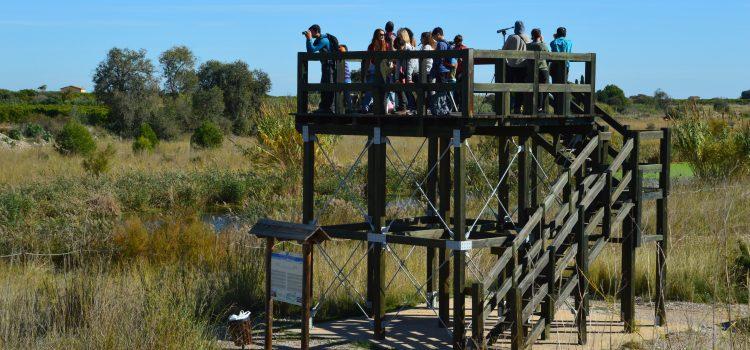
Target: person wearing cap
{"x":517,"y":68}
{"x":537,"y":44}
{"x":318,"y":42}
{"x":558,"y":71}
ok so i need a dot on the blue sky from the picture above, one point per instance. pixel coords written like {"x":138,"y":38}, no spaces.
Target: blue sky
{"x":684,"y":47}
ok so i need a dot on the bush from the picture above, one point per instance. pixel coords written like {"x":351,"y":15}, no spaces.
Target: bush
{"x":745,"y":95}
{"x":231,"y":191}
{"x":207,"y":135}
{"x":141,"y":144}
{"x":33,"y":131}
{"x":613,"y":96}
{"x":75,"y":139}
{"x":98,"y":163}
{"x":713,"y":148}
{"x":148,"y":133}
{"x":15,"y":134}
{"x":721,"y":106}
{"x":20,"y":113}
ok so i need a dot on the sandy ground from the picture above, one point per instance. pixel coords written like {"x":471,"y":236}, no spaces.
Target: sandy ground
{"x":690,"y":326}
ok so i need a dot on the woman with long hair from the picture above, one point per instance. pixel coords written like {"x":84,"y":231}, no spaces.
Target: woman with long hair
{"x":378,"y":43}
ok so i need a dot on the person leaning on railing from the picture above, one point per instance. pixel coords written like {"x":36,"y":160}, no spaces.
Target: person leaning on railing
{"x":317,"y":42}
{"x":517,"y":68}
{"x":378,"y":43}
{"x":405,"y":70}
{"x":458,"y":44}
{"x":537,"y":44}
{"x":558,"y":70}
{"x":441,"y":103}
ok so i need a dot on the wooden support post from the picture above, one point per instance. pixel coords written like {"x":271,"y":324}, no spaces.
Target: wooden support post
{"x":459,"y":230}
{"x":477,"y":316}
{"x":504,"y":191}
{"x":502,"y":99}
{"x":308,"y":217}
{"x":308,"y":175}
{"x":582,"y":265}
{"x":302,"y":80}
{"x":307,"y":251}
{"x":662,"y":228}
{"x":269,"y":298}
{"x":535,"y":76}
{"x":379,"y":106}
{"x":339,"y":107}
{"x":517,"y":338}
{"x":376,"y":208}
{"x":590,"y":105}
{"x":606,"y":197}
{"x":431,"y":184}
{"x":422,"y":94}
{"x":467,"y":90}
{"x":548,"y":308}
{"x":636,"y":189}
{"x":523,"y":181}
{"x":444,"y":184}
{"x":627,"y":294}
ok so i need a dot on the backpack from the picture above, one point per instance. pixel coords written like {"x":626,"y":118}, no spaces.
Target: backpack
{"x":333,"y":42}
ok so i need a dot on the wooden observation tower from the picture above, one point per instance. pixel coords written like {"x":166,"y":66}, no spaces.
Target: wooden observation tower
{"x":542,"y":227}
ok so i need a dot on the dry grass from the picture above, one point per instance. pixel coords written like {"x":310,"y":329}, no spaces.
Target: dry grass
{"x":43,"y":163}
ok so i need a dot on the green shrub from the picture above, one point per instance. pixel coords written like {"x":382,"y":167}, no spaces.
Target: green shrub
{"x":147,"y":132}
{"x":714,"y":149}
{"x":75,"y":139}
{"x":141,"y":143}
{"x":33,"y":130}
{"x":231,"y":190}
{"x":20,"y":113}
{"x":15,"y":134}
{"x":98,"y":163}
{"x":613,"y":96}
{"x":207,"y":135}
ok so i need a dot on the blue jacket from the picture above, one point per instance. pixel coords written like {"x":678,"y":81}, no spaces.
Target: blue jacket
{"x":319,"y":44}
{"x":438,"y":65}
{"x":561,"y":45}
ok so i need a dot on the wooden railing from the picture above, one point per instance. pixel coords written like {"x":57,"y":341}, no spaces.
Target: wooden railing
{"x":465,"y":88}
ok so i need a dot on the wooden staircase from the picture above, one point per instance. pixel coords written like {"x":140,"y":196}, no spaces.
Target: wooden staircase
{"x":597,"y":199}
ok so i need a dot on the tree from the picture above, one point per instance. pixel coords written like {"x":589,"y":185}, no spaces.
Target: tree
{"x":662,"y":99}
{"x":125,"y":82}
{"x":745,"y":95}
{"x":207,"y":105}
{"x":613,"y":96}
{"x":42,"y":88}
{"x":241,"y":88}
{"x":124,"y":71}
{"x":178,"y":70}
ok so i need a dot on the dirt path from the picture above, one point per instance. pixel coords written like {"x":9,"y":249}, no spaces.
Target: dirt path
{"x":690,"y":326}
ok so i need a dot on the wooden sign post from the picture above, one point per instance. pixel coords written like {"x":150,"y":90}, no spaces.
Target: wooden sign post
{"x":308,"y":236}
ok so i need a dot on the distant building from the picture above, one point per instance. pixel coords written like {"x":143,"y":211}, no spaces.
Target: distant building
{"x":71,"y":88}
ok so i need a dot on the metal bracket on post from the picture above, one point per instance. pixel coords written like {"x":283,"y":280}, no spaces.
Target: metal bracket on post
{"x":306,"y":135}
{"x":377,"y":138}
{"x":376,"y":238}
{"x":456,"y":138}
{"x":458,"y":245}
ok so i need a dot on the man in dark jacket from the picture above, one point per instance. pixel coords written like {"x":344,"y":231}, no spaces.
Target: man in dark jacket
{"x":317,"y":42}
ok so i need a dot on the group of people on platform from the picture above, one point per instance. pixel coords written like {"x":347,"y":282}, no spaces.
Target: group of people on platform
{"x":440,"y":70}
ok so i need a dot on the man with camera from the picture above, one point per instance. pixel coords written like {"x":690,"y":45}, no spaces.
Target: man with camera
{"x":317,"y":42}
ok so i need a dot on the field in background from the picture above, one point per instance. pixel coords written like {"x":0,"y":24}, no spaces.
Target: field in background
{"x":134,"y":263}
